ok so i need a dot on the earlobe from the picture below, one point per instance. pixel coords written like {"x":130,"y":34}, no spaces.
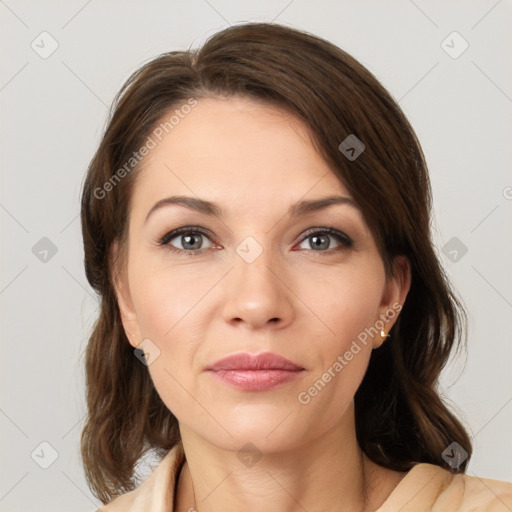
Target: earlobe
{"x":121,"y":289}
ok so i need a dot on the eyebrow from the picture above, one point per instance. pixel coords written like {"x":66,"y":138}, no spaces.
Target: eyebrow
{"x":212,"y":209}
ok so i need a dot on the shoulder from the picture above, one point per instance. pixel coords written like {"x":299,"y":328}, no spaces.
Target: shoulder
{"x":157,"y":492}
{"x":483,"y":493}
{"x":427,"y":487}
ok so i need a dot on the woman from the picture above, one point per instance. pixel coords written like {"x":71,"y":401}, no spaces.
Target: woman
{"x":274,"y":318}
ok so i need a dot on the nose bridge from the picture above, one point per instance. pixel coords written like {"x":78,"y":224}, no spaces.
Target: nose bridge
{"x":255,"y":293}
{"x":255,"y":265}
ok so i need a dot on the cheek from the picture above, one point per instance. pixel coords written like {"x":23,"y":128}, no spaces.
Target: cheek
{"x":343,"y":302}
{"x":342,"y":360}
{"x":164,"y":298}
{"x":347,"y":305}
{"x":166,"y":303}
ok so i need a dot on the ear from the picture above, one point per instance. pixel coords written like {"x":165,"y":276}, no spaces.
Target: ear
{"x":395,"y":292}
{"x":124,"y":301}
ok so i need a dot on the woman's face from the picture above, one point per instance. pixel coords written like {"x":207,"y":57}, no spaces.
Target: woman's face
{"x":261,"y":276}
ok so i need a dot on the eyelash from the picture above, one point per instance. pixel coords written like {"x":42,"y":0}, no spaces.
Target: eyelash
{"x":345,"y":241}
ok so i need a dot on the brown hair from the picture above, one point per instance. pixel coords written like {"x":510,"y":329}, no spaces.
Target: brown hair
{"x":400,"y":417}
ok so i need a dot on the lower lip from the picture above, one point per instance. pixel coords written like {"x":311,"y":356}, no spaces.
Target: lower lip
{"x":256,"y":380}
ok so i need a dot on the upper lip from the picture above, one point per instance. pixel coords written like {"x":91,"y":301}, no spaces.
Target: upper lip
{"x":265,"y":361}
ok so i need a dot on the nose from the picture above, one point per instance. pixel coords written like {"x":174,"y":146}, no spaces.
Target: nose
{"x":257,"y":294}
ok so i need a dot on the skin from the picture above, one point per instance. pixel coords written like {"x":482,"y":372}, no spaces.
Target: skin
{"x":304,"y":303}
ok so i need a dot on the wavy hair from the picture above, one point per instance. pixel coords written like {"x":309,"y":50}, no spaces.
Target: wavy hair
{"x":401,"y":418}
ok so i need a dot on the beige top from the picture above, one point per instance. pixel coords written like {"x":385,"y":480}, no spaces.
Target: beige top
{"x":424,"y":488}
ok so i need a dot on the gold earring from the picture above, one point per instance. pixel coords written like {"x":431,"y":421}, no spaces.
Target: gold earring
{"x":383,"y":335}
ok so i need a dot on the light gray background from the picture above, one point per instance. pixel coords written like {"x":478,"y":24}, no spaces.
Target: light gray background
{"x":53,"y":112}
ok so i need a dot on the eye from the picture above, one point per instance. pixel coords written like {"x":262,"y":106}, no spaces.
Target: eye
{"x":190,"y":240}
{"x":186,"y":239}
{"x":320,"y":240}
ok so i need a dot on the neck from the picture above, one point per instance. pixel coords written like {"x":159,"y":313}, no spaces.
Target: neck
{"x":327,"y":472}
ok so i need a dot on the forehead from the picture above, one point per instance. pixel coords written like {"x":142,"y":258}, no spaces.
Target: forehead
{"x":239,"y":150}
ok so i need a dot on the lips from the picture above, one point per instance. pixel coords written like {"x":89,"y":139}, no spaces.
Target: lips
{"x":262,"y":372}
{"x":266,"y":361}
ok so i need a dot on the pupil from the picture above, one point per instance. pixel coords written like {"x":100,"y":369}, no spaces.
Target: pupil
{"x":317,"y":241}
{"x":187,"y":239}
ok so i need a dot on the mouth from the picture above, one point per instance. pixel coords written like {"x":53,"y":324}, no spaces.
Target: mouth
{"x":246,"y":361}
{"x":255,"y":373}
